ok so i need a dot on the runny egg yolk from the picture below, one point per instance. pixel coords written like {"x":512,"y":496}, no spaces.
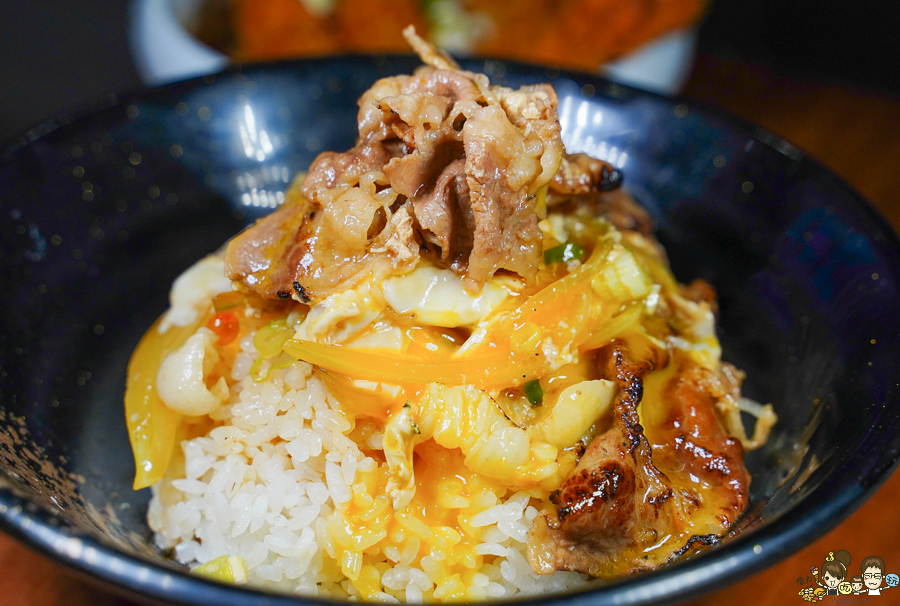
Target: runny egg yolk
{"x":433,"y":343}
{"x":435,"y":532}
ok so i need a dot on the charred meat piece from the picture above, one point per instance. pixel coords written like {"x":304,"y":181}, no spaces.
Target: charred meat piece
{"x":642,"y":496}
{"x":581,"y":174}
{"x":254,"y":255}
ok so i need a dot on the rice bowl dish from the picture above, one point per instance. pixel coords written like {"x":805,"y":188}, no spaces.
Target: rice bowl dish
{"x":820,"y":462}
{"x":416,"y":417}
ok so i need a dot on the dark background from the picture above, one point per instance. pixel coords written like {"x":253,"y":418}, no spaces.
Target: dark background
{"x":854,"y":42}
{"x":55,"y":54}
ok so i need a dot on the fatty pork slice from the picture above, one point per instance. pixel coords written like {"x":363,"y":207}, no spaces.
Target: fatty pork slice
{"x":634,"y":503}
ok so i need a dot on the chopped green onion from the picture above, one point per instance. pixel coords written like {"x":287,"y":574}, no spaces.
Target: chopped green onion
{"x":534,"y":393}
{"x":563,"y":253}
{"x":284,"y":361}
{"x":269,"y":339}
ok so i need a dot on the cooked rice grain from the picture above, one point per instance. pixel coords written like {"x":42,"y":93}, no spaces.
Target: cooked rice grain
{"x":264,"y":486}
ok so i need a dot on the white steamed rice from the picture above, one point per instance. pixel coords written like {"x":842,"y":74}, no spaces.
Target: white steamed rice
{"x":264,"y":484}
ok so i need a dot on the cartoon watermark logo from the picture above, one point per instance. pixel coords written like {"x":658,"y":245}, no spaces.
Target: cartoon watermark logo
{"x":836,"y":579}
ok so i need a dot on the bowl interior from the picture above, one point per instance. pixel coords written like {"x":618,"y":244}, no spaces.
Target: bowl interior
{"x":102,"y":212}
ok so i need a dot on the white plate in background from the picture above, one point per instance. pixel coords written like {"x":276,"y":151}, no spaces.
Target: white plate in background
{"x":164,"y":50}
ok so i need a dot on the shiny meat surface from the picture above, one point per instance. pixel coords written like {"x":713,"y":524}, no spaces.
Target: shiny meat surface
{"x":656,"y":485}
{"x":254,"y":253}
{"x":582,"y":174}
{"x":511,"y":151}
{"x":456,"y":162}
{"x":445,"y":214}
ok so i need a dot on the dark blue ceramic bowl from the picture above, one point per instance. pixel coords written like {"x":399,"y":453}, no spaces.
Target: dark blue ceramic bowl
{"x":102,"y":210}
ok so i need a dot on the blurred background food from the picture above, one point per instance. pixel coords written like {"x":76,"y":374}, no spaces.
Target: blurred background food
{"x":55,"y":54}
{"x":643,"y":43}
{"x":579,"y":34}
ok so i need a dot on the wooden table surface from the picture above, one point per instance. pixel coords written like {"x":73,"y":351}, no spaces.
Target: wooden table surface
{"x":856,"y":133}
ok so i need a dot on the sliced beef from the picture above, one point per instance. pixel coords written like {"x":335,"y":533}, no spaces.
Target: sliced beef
{"x":506,"y":233}
{"x":512,"y":150}
{"x":451,"y":84}
{"x":370,"y":118}
{"x":464,"y":158}
{"x":445,"y":214}
{"x":306,"y":254}
{"x":332,"y":171}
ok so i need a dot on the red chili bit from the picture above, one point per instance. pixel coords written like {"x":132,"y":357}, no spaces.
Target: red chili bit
{"x":226,"y":326}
